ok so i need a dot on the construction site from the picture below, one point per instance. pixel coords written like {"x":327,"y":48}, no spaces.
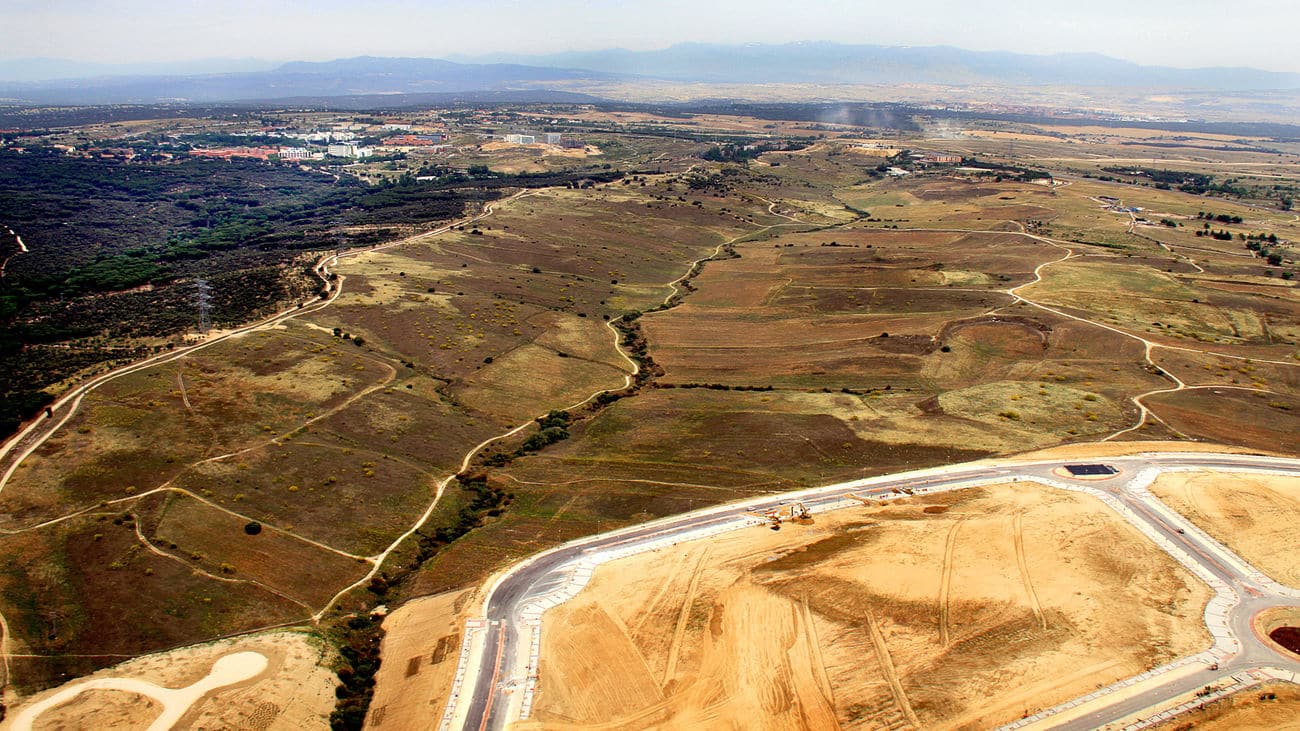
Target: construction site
{"x":964,"y":609}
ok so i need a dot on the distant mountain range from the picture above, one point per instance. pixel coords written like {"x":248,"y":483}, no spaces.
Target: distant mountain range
{"x":836,"y":63}
{"x":350,"y":77}
{"x":819,"y":63}
{"x":28,"y":70}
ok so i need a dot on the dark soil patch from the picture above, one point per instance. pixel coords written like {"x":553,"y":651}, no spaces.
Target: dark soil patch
{"x":1288,"y":637}
{"x":906,"y":344}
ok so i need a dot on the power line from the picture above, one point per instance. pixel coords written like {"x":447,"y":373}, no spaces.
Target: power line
{"x":203,"y":298}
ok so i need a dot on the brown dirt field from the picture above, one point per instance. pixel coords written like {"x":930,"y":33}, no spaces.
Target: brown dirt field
{"x":1206,"y":369}
{"x":421,"y":650}
{"x":750,"y":433}
{"x":109,"y":597}
{"x":530,"y":380}
{"x":1270,"y":707}
{"x":296,"y":691}
{"x":990,"y":603}
{"x":107,"y":708}
{"x":305,"y":572}
{"x":1254,"y":515}
{"x":243,"y":392}
{"x":1259,"y":420}
{"x":1113,"y":449}
{"x":801,"y":315}
{"x":350,"y":499}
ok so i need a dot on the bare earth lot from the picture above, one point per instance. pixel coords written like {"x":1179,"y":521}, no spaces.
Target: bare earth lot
{"x":295,"y":691}
{"x":421,"y":651}
{"x":965,"y":609}
{"x":1271,"y":707}
{"x":1254,"y":515}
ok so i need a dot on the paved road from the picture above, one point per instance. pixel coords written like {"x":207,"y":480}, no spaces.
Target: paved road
{"x":501,"y":676}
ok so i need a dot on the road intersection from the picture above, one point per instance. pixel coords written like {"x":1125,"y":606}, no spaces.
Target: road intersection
{"x":497,"y":677}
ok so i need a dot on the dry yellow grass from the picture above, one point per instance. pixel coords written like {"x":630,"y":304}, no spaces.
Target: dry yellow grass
{"x":958,"y":610}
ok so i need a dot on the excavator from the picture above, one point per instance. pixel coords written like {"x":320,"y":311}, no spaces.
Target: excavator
{"x":791,"y":512}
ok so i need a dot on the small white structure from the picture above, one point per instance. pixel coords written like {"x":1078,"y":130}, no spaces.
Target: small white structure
{"x":294,"y":153}
{"x":521,"y":139}
{"x":553,"y":138}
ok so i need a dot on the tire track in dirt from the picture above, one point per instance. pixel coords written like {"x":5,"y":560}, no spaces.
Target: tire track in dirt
{"x":675,"y":648}
{"x":1019,"y":533}
{"x":945,"y":583}
{"x":659,"y":595}
{"x":815,"y":650}
{"x":887,"y":666}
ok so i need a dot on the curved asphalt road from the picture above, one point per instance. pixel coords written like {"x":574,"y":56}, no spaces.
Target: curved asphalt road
{"x":488,"y":693}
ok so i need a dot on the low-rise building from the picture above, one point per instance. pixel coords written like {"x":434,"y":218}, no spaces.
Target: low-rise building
{"x":941,"y":159}
{"x":349,"y":149}
{"x":225,"y":153}
{"x":408,"y":141}
{"x":295,"y":153}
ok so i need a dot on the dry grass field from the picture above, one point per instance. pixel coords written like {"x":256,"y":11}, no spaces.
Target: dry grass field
{"x":331,"y":431}
{"x":849,"y":324}
{"x":1254,"y":515}
{"x":952,"y":611}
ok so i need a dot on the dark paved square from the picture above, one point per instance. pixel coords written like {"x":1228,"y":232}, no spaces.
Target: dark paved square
{"x":1088,"y":470}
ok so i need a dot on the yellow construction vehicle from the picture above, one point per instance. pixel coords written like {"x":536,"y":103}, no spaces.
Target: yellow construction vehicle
{"x":792,"y":512}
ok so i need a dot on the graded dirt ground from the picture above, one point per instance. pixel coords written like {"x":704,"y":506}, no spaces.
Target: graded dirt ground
{"x":965,"y":609}
{"x":1269,"y":707}
{"x":422,"y":645}
{"x":295,"y":691}
{"x":1253,"y":514}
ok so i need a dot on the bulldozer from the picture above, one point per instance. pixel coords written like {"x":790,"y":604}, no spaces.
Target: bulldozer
{"x":790,"y":512}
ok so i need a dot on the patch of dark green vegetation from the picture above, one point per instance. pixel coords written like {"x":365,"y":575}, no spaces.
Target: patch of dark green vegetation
{"x":115,"y":248}
{"x":358,"y":640}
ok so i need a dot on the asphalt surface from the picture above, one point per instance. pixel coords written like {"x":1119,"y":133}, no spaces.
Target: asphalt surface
{"x":489,"y":690}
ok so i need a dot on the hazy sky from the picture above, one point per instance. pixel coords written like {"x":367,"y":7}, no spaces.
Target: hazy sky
{"x":1257,"y":33}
